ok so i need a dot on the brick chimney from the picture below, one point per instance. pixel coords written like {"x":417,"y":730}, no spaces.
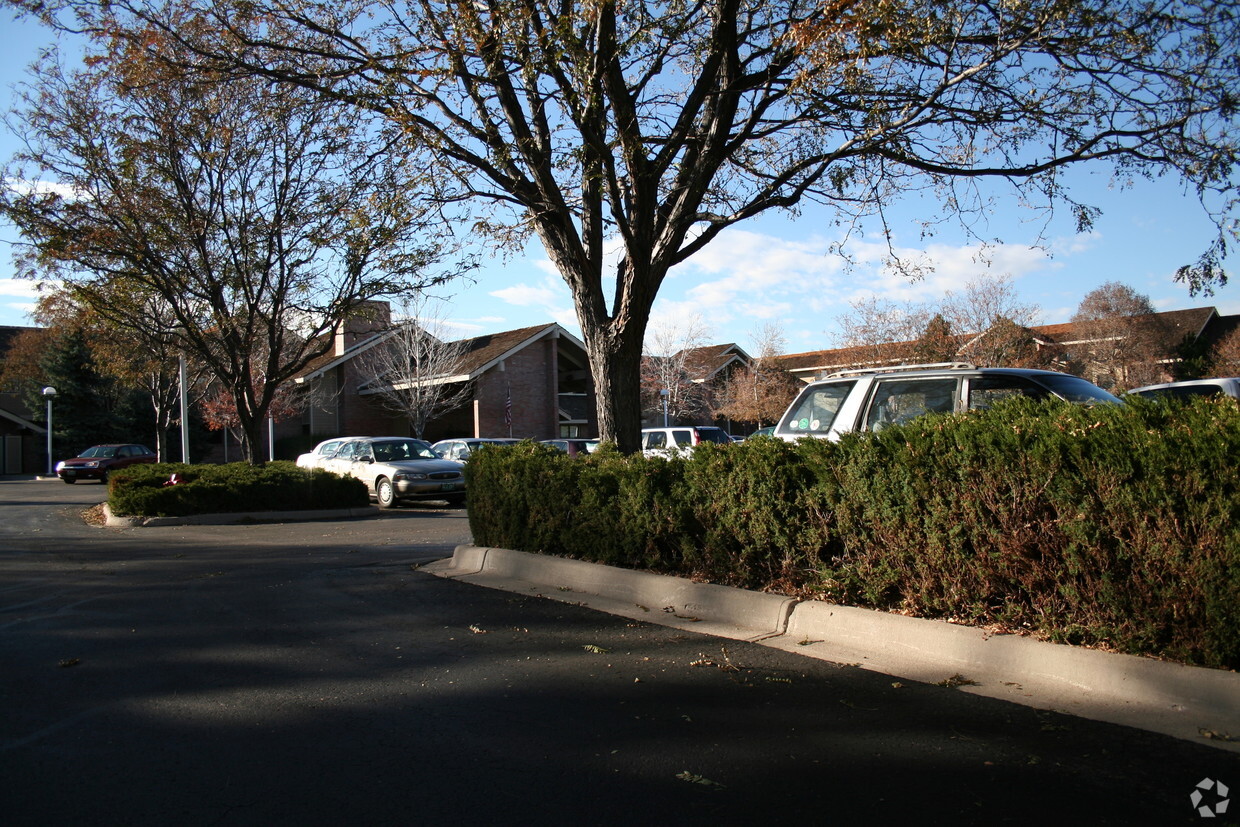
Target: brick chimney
{"x":368,"y":318}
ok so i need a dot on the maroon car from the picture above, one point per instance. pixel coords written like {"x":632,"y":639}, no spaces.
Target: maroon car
{"x":95,"y":463}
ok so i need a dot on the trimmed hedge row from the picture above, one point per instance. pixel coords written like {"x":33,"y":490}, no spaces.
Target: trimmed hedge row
{"x":1114,"y":526}
{"x":142,"y":490}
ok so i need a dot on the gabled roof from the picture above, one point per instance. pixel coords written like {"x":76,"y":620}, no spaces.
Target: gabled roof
{"x":8,"y":333}
{"x":820,"y":361}
{"x":704,"y":363}
{"x":330,"y":360}
{"x":480,"y":353}
{"x":20,"y":420}
{"x":1172,"y":326}
{"x":485,"y":352}
{"x":1220,"y":328}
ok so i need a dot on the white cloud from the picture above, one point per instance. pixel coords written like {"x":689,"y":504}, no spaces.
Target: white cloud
{"x":545,"y":295}
{"x":23,"y":187}
{"x":757,"y":278}
{"x":550,"y":298}
{"x":16,"y":313}
{"x":1079,"y":243}
{"x":752,"y":278}
{"x":19,"y":287}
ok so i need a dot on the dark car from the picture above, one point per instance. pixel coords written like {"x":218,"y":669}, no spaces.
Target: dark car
{"x":97,"y":462}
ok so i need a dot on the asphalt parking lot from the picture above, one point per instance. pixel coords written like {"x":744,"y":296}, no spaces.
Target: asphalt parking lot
{"x":311,"y":673}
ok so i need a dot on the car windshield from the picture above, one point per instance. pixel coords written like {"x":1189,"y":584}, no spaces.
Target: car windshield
{"x":100,"y":451}
{"x":1075,"y":389}
{"x":399,"y":450}
{"x":814,"y":412}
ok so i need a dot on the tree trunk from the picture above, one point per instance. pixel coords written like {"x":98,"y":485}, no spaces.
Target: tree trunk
{"x":615,"y":362}
{"x":251,"y":426}
{"x":161,"y":441}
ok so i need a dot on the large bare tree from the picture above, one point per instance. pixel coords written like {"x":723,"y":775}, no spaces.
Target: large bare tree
{"x":1119,"y":341}
{"x":661,"y":125}
{"x":761,"y":391}
{"x":232,"y":218}
{"x":668,"y":376}
{"x":884,"y":332}
{"x":994,"y":323}
{"x":1225,"y":355}
{"x":416,"y":369}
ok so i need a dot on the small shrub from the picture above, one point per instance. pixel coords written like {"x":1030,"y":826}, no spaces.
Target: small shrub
{"x":142,"y":490}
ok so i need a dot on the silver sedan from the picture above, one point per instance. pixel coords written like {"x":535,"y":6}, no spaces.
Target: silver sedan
{"x":399,"y":468}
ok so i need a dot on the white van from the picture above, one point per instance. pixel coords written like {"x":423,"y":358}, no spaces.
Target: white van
{"x":663,"y":442}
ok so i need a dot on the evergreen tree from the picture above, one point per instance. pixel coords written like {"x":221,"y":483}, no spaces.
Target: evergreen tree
{"x":79,"y":416}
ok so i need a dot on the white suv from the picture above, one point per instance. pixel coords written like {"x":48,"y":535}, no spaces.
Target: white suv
{"x":872,"y":399}
{"x":663,"y":442}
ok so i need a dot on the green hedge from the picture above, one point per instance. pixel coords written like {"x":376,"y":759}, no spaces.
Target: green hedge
{"x":1116,"y":526}
{"x":141,"y":490}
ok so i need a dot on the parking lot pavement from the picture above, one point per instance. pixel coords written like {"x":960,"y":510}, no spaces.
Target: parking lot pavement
{"x":1194,"y":703}
{"x":313,"y":674}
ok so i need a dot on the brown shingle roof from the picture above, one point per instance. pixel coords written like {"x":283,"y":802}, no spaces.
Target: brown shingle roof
{"x":704,"y":362}
{"x":480,"y":351}
{"x":1173,"y":325}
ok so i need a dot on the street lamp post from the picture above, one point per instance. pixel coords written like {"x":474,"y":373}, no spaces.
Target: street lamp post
{"x":49,"y":392}
{"x":664,"y":394}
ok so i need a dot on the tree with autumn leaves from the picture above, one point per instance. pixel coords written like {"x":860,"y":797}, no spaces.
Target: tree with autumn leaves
{"x":227,"y":218}
{"x":760,"y":391}
{"x":655,"y":127}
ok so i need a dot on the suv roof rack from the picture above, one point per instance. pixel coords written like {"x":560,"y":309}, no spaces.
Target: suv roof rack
{"x":901,"y":368}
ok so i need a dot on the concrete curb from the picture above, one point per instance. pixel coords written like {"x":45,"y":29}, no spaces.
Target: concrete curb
{"x":116,"y":521}
{"x":1197,"y":704}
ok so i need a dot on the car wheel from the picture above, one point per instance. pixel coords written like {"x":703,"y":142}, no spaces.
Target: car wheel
{"x":69,"y":480}
{"x":385,"y":493}
{"x":103,"y":478}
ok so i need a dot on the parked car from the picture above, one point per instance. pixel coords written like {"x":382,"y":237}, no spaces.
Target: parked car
{"x":460,"y":449}
{"x":1191,"y":388}
{"x":399,"y":468}
{"x":97,"y":462}
{"x":573,"y":447}
{"x":769,"y":430}
{"x":323,"y":451}
{"x":869,"y":400}
{"x":662,"y":442}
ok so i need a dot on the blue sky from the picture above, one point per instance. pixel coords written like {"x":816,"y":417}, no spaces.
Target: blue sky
{"x":778,"y":269}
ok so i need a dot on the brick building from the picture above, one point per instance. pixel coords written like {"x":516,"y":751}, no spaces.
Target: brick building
{"x":533,"y":382}
{"x":23,"y":441}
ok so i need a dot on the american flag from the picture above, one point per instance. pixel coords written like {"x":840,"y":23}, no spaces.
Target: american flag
{"x":508,"y":408}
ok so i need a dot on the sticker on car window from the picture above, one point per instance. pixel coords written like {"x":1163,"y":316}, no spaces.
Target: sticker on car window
{"x":803,"y":424}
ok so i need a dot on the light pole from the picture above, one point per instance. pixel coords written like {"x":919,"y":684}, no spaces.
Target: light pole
{"x":183,"y":374}
{"x":49,"y":392}
{"x":664,"y":394}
